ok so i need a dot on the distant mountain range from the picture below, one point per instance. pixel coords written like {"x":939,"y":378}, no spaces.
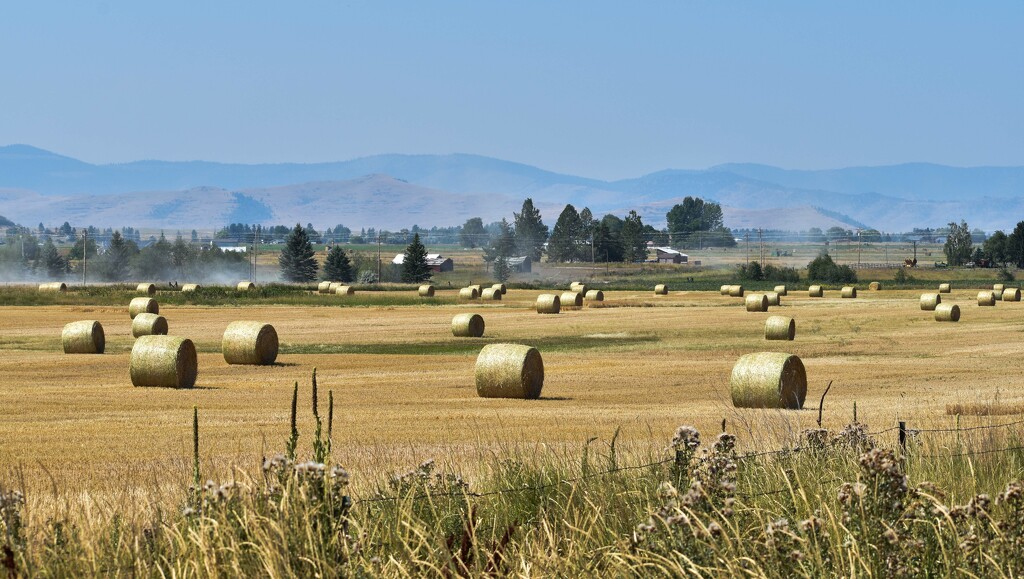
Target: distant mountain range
{"x":395,"y":191}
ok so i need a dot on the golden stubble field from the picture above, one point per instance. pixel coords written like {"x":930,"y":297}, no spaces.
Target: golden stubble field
{"x":643,"y":363}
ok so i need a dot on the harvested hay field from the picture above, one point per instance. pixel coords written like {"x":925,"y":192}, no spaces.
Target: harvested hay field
{"x":405,"y":387}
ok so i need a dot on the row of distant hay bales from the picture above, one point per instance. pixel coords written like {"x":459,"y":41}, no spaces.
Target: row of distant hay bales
{"x":145,"y":288}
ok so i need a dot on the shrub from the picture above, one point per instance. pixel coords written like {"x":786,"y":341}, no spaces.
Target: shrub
{"x":825,"y":270}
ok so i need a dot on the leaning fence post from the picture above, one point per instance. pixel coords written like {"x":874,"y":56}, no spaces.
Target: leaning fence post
{"x":903,"y":437}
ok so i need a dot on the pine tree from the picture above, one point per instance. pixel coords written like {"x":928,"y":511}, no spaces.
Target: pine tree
{"x":530,"y":231}
{"x":337,"y":267}
{"x":634,"y":246}
{"x":55,"y":265}
{"x":502,"y":271}
{"x":566,"y":236}
{"x":414,"y":266}
{"x":297,"y":262}
{"x":116,"y":261}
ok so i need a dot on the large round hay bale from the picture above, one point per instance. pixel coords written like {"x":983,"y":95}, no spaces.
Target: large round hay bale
{"x":945,"y":288}
{"x":334,"y":285}
{"x":756,"y":303}
{"x":997,"y":294}
{"x":849,"y":292}
{"x":142,"y":306}
{"x":167,"y":361}
{"x":492,"y":294}
{"x":548,"y":304}
{"x":85,"y":337}
{"x":779,"y":328}
{"x":875,"y":286}
{"x":815,"y":291}
{"x":56,"y":287}
{"x":947,"y":313}
{"x":426,"y":291}
{"x":571,"y":299}
{"x":247,"y":342}
{"x":594,"y":296}
{"x":724,"y":290}
{"x":323,"y":287}
{"x":998,"y":287}
{"x":661,"y":290}
{"x":190,"y":287}
{"x":930,"y":301}
{"x":468,"y":326}
{"x":479,"y":289}
{"x":1011,"y":294}
{"x":146,"y":288}
{"x":736,"y":291}
{"x":774,"y":299}
{"x":344,"y":290}
{"x":500,"y":287}
{"x":509,"y":371}
{"x":578,"y":287}
{"x":149,"y":325}
{"x":986,"y":298}
{"x":468,"y":293}
{"x":768,"y":380}
{"x":245,"y":286}
{"x":781,"y":290}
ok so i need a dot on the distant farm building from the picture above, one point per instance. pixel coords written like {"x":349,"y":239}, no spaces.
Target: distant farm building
{"x":435,"y":261}
{"x":520,"y":264}
{"x":669,"y":255}
{"x":233,"y":246}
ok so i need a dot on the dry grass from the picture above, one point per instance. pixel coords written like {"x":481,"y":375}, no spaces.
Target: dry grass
{"x":985,"y":408}
{"x":395,"y":410}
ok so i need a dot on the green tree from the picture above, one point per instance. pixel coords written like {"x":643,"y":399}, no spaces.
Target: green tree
{"x":154,"y":261}
{"x":414,"y":266}
{"x":634,"y":246}
{"x":607,"y":245}
{"x":958,"y":244}
{"x":995,"y":248}
{"x":50,"y":260}
{"x":115,"y":263}
{"x":337,"y":266}
{"x":503,"y":244}
{"x":502,"y":271}
{"x":473,"y":233}
{"x":183,"y":256}
{"x":563,"y":245}
{"x":691,"y":216}
{"x":1015,"y":245}
{"x":296,"y":260}
{"x":530,"y":231}
{"x":823,"y":269}
{"x":81,"y":246}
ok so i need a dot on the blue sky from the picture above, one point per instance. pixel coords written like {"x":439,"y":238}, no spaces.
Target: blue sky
{"x":602,"y":89}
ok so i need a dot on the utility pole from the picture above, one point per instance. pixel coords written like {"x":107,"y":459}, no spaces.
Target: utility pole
{"x":760,"y":243}
{"x":746,"y":236}
{"x":915,"y":254}
{"x":860,"y":243}
{"x":255,"y":251}
{"x":378,"y":255}
{"x":85,"y":257}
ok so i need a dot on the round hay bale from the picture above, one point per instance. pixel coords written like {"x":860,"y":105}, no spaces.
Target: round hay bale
{"x":849,"y":292}
{"x":167,"y":361}
{"x":146,"y":288}
{"x":426,"y":291}
{"x":190,"y":287}
{"x":334,"y":285}
{"x":56,"y":287}
{"x":594,"y":296}
{"x":85,"y":337}
{"x":509,"y":371}
{"x":815,"y":291}
{"x":998,"y":287}
{"x":875,"y":286}
{"x":344,"y":290}
{"x":245,"y":286}
{"x":1011,"y":294}
{"x":491,"y":294}
{"x":578,"y":287}
{"x":142,"y":306}
{"x":773,"y":298}
{"x":781,"y":290}
{"x":779,"y":328}
{"x":248,"y":342}
{"x":757,"y":303}
{"x":661,"y":290}
{"x":736,"y":291}
{"x":548,"y":304}
{"x":768,"y":380}
{"x":997,"y":294}
{"x":479,"y":289}
{"x":323,"y":287}
{"x":468,"y":326}
{"x":468,"y":293}
{"x":930,"y":301}
{"x":947,"y":313}
{"x":500,"y":287}
{"x":944,"y":288}
{"x":571,"y":299}
{"x":724,"y":290}
{"x":149,"y":325}
{"x":986,"y":298}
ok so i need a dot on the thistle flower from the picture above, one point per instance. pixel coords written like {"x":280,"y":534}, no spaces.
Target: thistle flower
{"x":686,"y":438}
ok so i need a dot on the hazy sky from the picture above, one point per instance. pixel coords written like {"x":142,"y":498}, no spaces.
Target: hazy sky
{"x":602,"y":89}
